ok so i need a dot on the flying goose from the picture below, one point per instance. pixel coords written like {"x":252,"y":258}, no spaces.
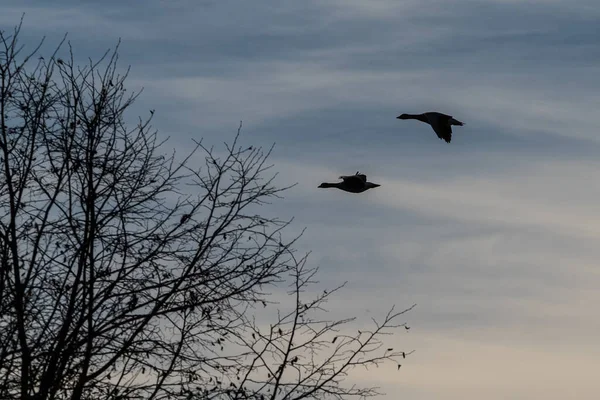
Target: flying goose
{"x":441,"y":123}
{"x":352,"y":183}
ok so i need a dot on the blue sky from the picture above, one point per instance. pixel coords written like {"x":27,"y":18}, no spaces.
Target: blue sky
{"x":495,"y":236}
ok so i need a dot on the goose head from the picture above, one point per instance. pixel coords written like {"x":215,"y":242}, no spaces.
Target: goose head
{"x":404,"y":116}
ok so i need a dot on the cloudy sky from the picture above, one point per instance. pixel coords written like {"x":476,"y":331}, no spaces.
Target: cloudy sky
{"x":495,"y":236}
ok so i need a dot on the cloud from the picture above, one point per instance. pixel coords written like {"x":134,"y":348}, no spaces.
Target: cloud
{"x":473,"y":254}
{"x":493,"y":236}
{"x":524,"y":196}
{"x":75,"y":18}
{"x":470,"y":368}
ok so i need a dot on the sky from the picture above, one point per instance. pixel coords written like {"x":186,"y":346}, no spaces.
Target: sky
{"x":494,"y":236}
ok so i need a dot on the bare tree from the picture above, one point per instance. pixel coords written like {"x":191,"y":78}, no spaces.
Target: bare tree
{"x":127,"y":272}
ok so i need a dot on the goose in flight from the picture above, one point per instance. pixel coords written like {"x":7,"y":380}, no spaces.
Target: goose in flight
{"x":441,"y":123}
{"x":356,"y":183}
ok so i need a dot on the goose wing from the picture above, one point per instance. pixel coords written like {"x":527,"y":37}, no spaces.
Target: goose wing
{"x":443,"y":131}
{"x":441,"y":125}
{"x":360,"y":176}
{"x":354,"y":183}
{"x":357,"y":176}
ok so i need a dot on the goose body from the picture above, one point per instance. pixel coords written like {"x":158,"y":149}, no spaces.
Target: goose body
{"x":356,"y":183}
{"x":441,"y":123}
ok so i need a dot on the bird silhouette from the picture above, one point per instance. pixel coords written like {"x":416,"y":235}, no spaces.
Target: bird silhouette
{"x":356,"y":183}
{"x":184,"y":218}
{"x":441,"y":123}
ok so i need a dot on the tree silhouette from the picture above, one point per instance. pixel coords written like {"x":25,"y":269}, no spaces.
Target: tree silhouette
{"x":128,"y":272}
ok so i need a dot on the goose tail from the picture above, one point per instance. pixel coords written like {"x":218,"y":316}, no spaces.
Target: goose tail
{"x":454,"y":121}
